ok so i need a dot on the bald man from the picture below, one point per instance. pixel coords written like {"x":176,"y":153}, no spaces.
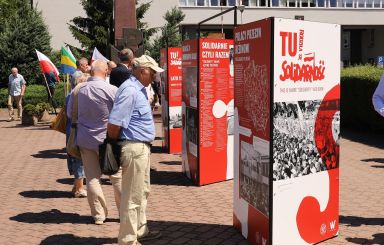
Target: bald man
{"x":95,"y":101}
{"x":16,"y":90}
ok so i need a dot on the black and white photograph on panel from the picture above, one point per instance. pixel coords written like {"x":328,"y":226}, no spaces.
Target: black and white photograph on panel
{"x":192,"y":128}
{"x":191,"y":82}
{"x":175,"y":117}
{"x":294,"y":149}
{"x":254,"y":174}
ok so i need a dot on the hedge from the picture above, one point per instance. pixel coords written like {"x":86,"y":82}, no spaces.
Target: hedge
{"x":35,"y":94}
{"x":357,"y":87}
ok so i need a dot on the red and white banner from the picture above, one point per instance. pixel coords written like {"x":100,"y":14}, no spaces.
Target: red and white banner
{"x":306,"y":123}
{"x":286,"y":170}
{"x":252,"y":130}
{"x":208,"y":110}
{"x":190,"y":113}
{"x":46,"y":64}
{"x":170,"y":61}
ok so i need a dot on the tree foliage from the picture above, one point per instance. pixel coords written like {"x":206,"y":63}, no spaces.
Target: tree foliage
{"x":94,"y":30}
{"x":23,"y":31}
{"x":170,"y":35}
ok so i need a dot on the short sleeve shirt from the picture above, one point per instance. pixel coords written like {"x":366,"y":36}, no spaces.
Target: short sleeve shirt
{"x":132,"y":112}
{"x":15,"y":84}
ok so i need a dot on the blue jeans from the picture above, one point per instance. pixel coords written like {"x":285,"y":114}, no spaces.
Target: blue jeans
{"x":75,"y":167}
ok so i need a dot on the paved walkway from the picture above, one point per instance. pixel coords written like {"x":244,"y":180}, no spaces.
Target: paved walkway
{"x":37,"y":208}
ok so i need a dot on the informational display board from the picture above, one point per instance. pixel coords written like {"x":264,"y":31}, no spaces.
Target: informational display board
{"x":207,"y":110}
{"x":170,"y":61}
{"x":287,"y":124}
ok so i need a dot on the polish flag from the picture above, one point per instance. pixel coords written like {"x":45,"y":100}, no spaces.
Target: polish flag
{"x":46,"y":64}
{"x":98,"y":56}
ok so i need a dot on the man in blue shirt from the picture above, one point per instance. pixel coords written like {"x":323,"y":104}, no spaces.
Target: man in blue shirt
{"x":378,"y":97}
{"x":16,"y":90}
{"x":131,"y":123}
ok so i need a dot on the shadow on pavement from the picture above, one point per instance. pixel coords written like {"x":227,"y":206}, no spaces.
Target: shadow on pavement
{"x":378,"y":239}
{"x":158,"y":149}
{"x":54,"y":153}
{"x":71,"y":239}
{"x":169,"y":178}
{"x":46,"y":194}
{"x":53,"y":216}
{"x":377,"y":166}
{"x":69,"y":181}
{"x":377,"y":160}
{"x":170,"y":162}
{"x":364,"y":137}
{"x":359,"y":221}
{"x":194,"y":233}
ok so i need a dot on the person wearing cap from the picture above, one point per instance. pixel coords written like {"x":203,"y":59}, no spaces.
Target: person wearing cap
{"x":131,"y":123}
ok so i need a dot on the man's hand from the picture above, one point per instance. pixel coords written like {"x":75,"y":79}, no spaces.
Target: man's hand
{"x":113,"y":131}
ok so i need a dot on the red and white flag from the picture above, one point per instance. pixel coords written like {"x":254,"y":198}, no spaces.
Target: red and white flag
{"x":46,"y":64}
{"x":98,"y":56}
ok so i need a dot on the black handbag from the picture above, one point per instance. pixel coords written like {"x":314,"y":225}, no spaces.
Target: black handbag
{"x":109,"y":157}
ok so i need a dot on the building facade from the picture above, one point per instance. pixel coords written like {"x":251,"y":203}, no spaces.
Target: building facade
{"x":361,"y":20}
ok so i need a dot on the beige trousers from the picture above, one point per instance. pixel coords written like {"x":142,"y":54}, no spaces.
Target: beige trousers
{"x":18,"y":99}
{"x":95,"y":195}
{"x":135,"y":191}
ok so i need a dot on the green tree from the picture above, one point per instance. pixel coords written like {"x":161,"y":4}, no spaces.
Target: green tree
{"x":141,"y":10}
{"x":94,"y":30}
{"x":170,"y":35}
{"x":22,"y":33}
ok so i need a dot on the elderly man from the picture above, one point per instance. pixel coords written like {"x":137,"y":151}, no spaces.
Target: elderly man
{"x":131,"y":123}
{"x":123,"y":70}
{"x":16,"y":90}
{"x":82,"y":67}
{"x":95,"y":101}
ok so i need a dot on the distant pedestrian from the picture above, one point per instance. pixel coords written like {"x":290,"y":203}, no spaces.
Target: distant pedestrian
{"x":16,"y":91}
{"x":123,"y":70}
{"x":51,"y":82}
{"x":131,"y":123}
{"x":95,"y":101}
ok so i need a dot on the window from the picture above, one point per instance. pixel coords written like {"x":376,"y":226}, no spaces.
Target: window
{"x":202,"y":3}
{"x":191,"y":3}
{"x":183,"y":2}
{"x":231,"y":2}
{"x":214,"y":2}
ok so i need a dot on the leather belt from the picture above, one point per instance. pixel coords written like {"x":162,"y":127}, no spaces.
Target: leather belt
{"x":135,"y":141}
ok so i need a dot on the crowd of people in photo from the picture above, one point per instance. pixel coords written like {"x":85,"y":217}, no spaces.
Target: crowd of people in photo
{"x":294,"y":149}
{"x":254,"y":174}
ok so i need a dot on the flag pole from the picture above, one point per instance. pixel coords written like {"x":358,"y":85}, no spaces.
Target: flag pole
{"x":49,"y":93}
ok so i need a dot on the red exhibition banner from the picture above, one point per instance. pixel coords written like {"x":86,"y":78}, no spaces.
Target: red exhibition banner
{"x":170,"y":60}
{"x":208,"y":113}
{"x":252,"y":110}
{"x":287,"y":125}
{"x":190,"y":113}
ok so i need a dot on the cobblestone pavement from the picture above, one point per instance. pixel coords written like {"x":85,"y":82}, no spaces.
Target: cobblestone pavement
{"x":37,"y":207}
